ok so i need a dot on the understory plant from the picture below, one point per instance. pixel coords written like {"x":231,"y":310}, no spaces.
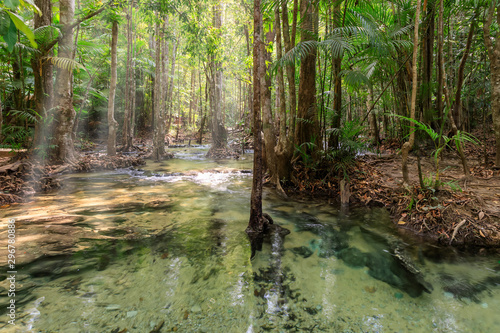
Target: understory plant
{"x":440,"y":142}
{"x":350,"y":145}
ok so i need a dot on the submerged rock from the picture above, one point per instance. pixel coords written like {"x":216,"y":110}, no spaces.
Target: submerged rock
{"x":353,"y":257}
{"x":302,"y":251}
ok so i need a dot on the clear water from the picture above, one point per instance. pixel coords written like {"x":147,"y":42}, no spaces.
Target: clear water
{"x":166,"y":244}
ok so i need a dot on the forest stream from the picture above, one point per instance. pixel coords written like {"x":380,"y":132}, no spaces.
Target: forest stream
{"x":163,"y":248}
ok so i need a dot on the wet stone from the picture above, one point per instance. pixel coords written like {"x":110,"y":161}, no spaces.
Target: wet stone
{"x":302,"y":251}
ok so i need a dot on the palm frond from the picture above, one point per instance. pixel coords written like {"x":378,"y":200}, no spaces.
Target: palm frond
{"x":65,"y":63}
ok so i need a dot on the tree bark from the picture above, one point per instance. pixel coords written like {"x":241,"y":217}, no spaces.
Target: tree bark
{"x":112,"y":124}
{"x":440,"y":69}
{"x":159,"y":121}
{"x":457,"y":104}
{"x":405,"y":150}
{"x":256,"y":221}
{"x":64,"y":150}
{"x":289,"y":41}
{"x":129,"y":77}
{"x":43,"y":77}
{"x":494,"y":55}
{"x":307,"y":127}
{"x":283,"y":149}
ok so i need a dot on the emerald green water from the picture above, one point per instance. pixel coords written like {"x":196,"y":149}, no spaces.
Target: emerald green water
{"x":131,"y":249}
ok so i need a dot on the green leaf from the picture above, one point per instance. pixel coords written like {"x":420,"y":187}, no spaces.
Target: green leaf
{"x":4,"y":23}
{"x":11,"y":4}
{"x":11,"y":37}
{"x":18,"y":21}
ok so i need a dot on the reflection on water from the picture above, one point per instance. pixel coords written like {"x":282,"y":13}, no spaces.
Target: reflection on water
{"x":164,"y":249}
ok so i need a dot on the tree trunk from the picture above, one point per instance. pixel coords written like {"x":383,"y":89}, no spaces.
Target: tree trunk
{"x":405,"y":150}
{"x":42,"y":73}
{"x":457,"y":104}
{"x":112,"y":124}
{"x":440,"y":69}
{"x":159,"y":121}
{"x":289,"y":41}
{"x":333,"y":140}
{"x":494,"y":54}
{"x":283,"y":149}
{"x":256,"y":222}
{"x":129,"y":78}
{"x":64,"y":150}
{"x":219,"y":135}
{"x":307,"y":127}
{"x":267,"y":118}
{"x":427,"y":51}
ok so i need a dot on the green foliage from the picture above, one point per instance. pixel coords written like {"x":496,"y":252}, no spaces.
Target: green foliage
{"x":441,"y":141}
{"x":304,"y":151}
{"x":350,"y":145}
{"x":11,"y":23}
{"x":16,"y":137}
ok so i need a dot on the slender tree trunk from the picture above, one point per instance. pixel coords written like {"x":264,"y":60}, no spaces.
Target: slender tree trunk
{"x":337,"y":87}
{"x":267,"y":118}
{"x":129,"y":78}
{"x":427,"y":51}
{"x":219,"y":135}
{"x":289,"y":41}
{"x":112,"y":124}
{"x":494,"y":54}
{"x":170,"y":99}
{"x":64,"y":150}
{"x":405,"y":150}
{"x":440,"y":69}
{"x":43,"y":75}
{"x":283,"y":148}
{"x":307,"y":128}
{"x":457,"y":104}
{"x":159,"y":121}
{"x":256,"y":221}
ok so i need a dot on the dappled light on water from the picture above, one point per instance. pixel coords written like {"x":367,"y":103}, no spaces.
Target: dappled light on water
{"x":164,"y":246}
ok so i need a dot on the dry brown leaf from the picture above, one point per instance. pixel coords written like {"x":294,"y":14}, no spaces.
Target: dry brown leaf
{"x":481,"y":215}
{"x":481,"y":233}
{"x":401,"y":222}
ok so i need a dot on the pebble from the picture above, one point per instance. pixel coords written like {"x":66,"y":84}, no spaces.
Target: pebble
{"x":195,"y":309}
{"x":131,"y":314}
{"x":112,"y":307}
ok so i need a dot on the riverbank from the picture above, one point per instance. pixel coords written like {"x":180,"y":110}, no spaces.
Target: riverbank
{"x":464,"y":212}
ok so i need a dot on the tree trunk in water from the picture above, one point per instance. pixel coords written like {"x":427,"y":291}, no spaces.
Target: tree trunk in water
{"x":256,"y":223}
{"x":405,"y":150}
{"x":43,"y":73}
{"x":307,"y":127}
{"x":112,"y":124}
{"x":159,"y":121}
{"x":494,"y":54}
{"x":64,"y":150}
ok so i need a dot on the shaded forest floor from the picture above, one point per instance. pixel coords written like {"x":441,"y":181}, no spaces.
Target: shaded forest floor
{"x":464,"y":212}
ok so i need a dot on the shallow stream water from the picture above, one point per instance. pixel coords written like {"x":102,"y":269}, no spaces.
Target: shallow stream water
{"x":170,"y":254}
